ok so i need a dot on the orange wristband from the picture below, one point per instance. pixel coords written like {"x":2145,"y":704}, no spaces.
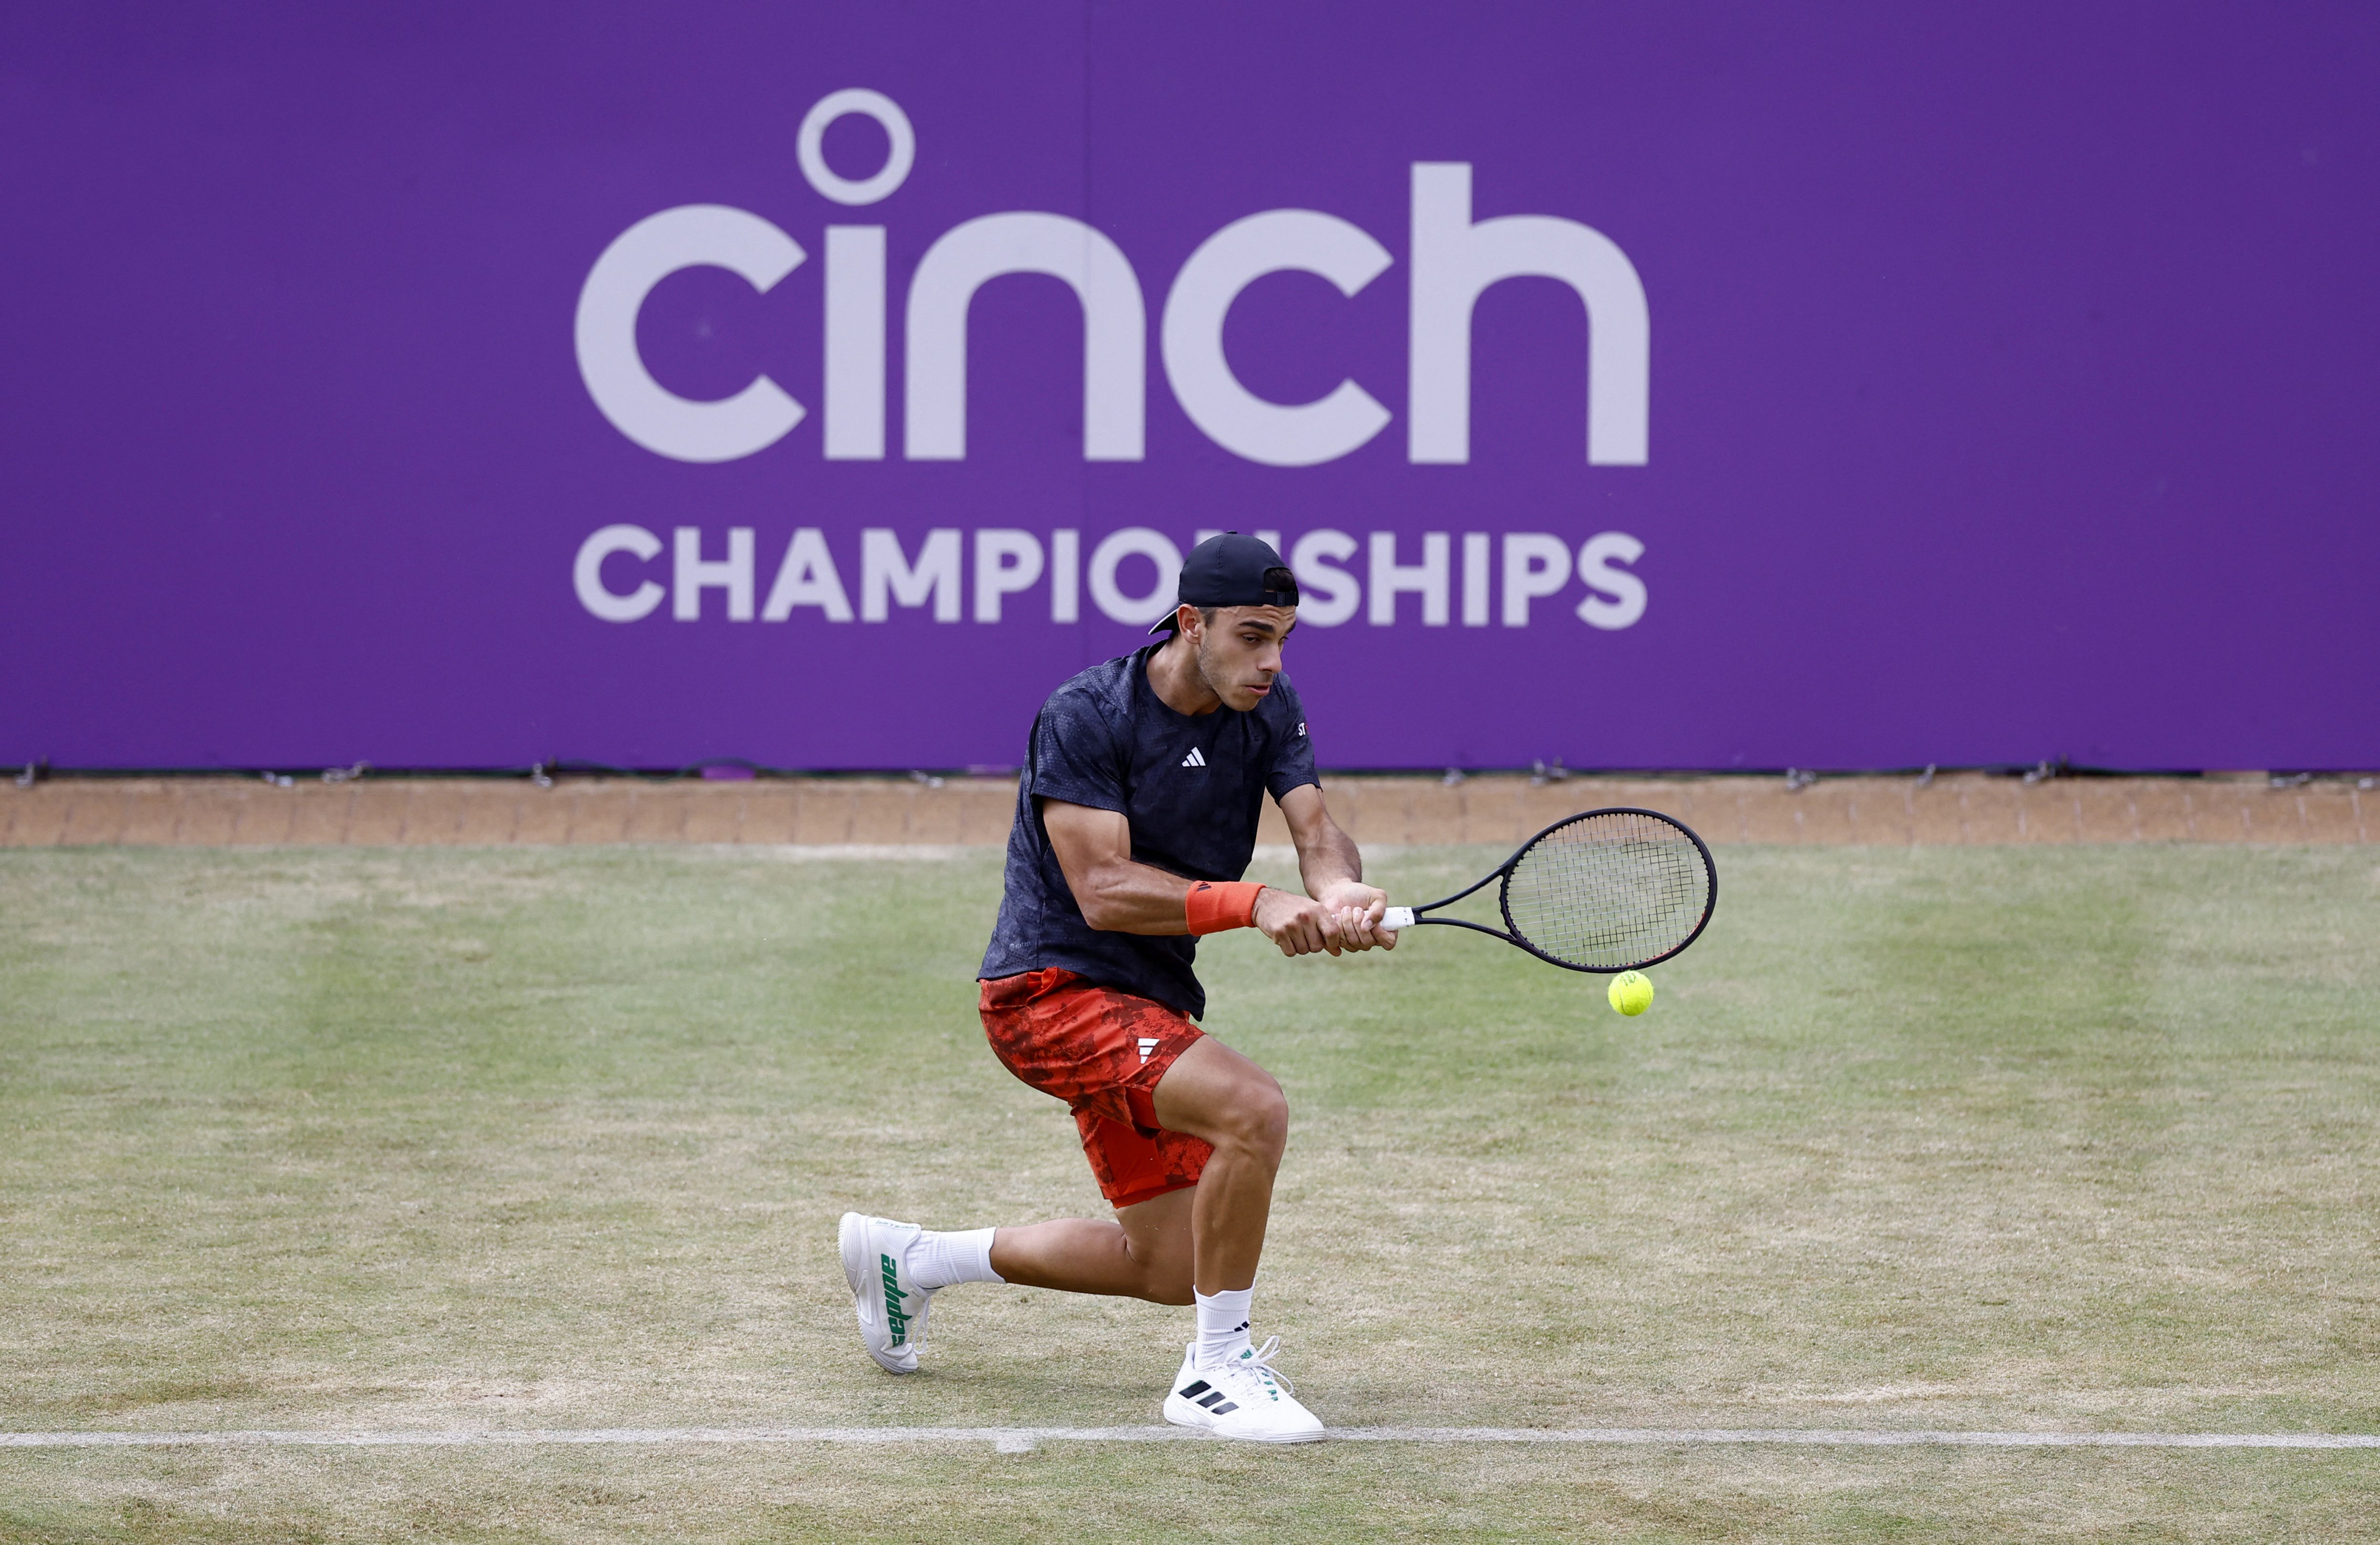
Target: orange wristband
{"x":1212,"y":907}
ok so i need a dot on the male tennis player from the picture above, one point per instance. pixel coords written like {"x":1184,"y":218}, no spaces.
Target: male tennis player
{"x":1135,"y":818}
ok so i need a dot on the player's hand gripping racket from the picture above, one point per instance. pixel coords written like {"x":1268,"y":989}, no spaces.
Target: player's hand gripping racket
{"x":1606,"y":891}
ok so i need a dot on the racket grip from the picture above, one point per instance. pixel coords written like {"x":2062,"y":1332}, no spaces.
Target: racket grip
{"x":1397,"y":917}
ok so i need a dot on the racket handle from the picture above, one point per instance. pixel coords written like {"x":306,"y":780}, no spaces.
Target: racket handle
{"x":1396,"y":917}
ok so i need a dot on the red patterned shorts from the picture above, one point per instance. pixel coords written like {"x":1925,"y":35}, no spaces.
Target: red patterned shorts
{"x":1102,"y":1052}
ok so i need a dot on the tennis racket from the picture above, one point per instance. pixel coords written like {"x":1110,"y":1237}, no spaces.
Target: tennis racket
{"x":1605,"y":891}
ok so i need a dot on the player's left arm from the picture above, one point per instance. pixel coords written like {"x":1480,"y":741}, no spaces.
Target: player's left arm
{"x":1333,"y":870}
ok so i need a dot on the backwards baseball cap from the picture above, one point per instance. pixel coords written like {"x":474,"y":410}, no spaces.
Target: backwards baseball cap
{"x":1231,"y":570}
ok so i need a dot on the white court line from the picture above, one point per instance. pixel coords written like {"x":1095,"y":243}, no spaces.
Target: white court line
{"x":1021,"y":1440}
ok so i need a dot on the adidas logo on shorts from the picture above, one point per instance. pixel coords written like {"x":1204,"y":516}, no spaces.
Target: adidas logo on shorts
{"x":1195,"y":758}
{"x":1148,"y":1045}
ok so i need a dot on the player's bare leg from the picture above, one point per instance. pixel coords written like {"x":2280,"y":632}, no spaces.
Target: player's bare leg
{"x":1213,"y":1092}
{"x":1211,"y":1235}
{"x":1145,"y":1253}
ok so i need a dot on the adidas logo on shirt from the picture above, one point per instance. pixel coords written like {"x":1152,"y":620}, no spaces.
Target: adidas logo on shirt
{"x":1196,"y":759}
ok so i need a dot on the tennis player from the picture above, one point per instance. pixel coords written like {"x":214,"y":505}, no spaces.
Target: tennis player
{"x":1136,"y":817}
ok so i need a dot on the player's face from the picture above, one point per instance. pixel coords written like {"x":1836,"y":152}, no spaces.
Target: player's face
{"x":1239,"y":653}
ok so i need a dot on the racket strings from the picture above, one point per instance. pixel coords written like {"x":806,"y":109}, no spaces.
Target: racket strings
{"x":1610,"y":891}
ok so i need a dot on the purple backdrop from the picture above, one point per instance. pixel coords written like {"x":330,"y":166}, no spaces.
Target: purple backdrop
{"x":2008,"y":383}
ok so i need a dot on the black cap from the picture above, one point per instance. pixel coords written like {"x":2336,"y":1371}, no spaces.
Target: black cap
{"x":1231,"y":570}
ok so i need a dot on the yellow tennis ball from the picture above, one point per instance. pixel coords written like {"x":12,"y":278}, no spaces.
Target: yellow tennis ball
{"x":1630,"y":992}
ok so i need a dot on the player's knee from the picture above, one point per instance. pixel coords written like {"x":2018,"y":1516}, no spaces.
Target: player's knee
{"x":1161,"y":1271}
{"x":1257,"y":1119}
{"x":1170,"y":1285}
{"x":1271,"y":1114}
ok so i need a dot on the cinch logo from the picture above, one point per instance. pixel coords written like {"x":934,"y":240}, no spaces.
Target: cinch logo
{"x":1342,"y":574}
{"x":1454,"y":257}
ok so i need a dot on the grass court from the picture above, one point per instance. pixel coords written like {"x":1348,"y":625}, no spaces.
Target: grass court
{"x":1999,"y":1138}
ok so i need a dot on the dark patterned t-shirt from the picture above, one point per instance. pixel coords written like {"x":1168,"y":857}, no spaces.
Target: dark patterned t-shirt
{"x":1190,"y":787}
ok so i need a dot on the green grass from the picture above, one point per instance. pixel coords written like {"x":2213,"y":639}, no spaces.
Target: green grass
{"x":1999,"y":1138}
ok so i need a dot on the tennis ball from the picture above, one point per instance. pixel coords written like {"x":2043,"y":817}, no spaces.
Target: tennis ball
{"x":1630,"y":992}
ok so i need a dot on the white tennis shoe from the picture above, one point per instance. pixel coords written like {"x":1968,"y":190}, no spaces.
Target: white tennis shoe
{"x":891,"y":1305}
{"x":1244,"y":1398}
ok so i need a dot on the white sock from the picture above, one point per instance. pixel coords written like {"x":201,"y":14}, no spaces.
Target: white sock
{"x":1222,"y":1325}
{"x":946,"y":1259}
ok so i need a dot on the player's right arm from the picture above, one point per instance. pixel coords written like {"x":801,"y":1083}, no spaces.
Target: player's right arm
{"x":1122,"y":895}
